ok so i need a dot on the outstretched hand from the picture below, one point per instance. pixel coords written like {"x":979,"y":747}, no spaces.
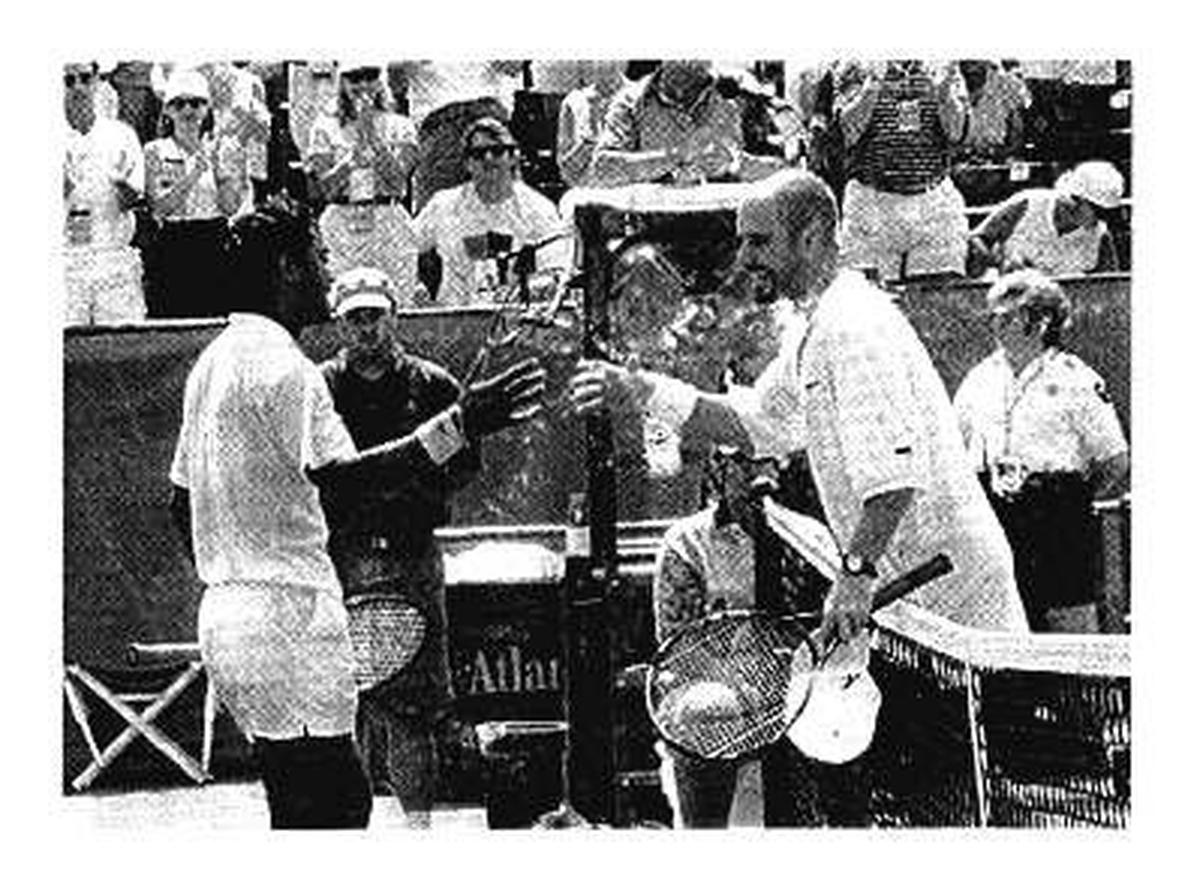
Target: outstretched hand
{"x":510,"y":397}
{"x":597,"y":384}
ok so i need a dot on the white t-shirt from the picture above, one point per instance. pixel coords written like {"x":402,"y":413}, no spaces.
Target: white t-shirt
{"x":109,"y":152}
{"x":866,"y":404}
{"x":256,"y":414}
{"x":1054,"y":416}
{"x":456,"y":218}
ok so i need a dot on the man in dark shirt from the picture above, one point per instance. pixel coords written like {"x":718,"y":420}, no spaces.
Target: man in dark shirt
{"x":385,"y":544}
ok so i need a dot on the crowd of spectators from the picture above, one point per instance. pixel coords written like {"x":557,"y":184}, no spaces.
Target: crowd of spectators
{"x":416,"y":167}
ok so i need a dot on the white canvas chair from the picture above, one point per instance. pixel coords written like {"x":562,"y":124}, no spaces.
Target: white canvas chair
{"x":138,"y":698}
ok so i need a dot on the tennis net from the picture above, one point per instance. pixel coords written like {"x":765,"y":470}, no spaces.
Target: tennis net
{"x":990,"y":729}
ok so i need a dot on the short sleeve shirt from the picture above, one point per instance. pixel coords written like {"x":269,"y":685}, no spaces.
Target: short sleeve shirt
{"x":865,"y":403}
{"x":257,"y":415}
{"x":1054,"y":416}
{"x":457,"y":224}
{"x":109,"y":152}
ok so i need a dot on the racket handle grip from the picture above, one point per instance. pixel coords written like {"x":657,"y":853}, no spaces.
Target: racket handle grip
{"x":911,"y":580}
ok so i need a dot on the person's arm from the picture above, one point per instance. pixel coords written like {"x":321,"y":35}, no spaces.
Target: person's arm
{"x":231,"y":178}
{"x":952,"y":102}
{"x":1101,"y":438}
{"x":1106,"y":254}
{"x":130,"y":179}
{"x":985,"y":245}
{"x":679,"y":592}
{"x":612,"y":167}
{"x":329,"y":175}
{"x":510,"y":397}
{"x":619,"y":158}
{"x":181,"y":518}
{"x":848,"y":605}
{"x":395,"y":154}
{"x":598,"y":385}
{"x":857,"y":92}
{"x":574,"y":145}
{"x":173,"y":198}
{"x":1110,"y":477}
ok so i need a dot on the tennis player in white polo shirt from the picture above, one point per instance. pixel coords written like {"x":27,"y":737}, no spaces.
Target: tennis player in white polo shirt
{"x":258,"y":441}
{"x":860,"y":395}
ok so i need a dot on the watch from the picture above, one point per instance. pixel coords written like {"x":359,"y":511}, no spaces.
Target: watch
{"x":857,"y":567}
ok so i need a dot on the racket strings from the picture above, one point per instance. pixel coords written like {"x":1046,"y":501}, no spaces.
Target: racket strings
{"x":728,"y":688}
{"x":385,"y":635}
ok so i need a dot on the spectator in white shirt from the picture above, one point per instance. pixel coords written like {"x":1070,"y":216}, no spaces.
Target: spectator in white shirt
{"x":479,"y":227}
{"x":103,"y":180}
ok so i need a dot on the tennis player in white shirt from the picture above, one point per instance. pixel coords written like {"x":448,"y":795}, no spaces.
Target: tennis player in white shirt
{"x":857,"y":390}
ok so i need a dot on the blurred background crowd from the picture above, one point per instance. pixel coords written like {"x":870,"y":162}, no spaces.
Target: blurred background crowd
{"x":441,"y":172}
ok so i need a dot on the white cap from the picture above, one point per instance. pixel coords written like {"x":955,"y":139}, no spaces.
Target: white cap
{"x":185,"y":82}
{"x":1096,"y":181}
{"x":838,"y":720}
{"x":362,"y":288}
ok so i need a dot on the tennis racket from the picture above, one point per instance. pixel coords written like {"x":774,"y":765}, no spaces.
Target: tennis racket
{"x":386,"y":634}
{"x":733,"y":682}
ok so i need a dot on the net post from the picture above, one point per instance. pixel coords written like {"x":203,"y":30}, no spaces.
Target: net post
{"x":592,"y":583}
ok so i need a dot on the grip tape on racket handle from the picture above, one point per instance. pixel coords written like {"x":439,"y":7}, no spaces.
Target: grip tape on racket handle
{"x":911,"y":580}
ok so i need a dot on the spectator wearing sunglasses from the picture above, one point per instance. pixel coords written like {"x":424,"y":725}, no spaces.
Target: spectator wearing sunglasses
{"x":103,"y":179}
{"x":360,"y":160}
{"x":193,"y":189}
{"x":478,"y":228}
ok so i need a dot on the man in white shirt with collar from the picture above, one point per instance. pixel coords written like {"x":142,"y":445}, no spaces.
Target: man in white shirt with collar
{"x":104,"y":176}
{"x":259,"y":438}
{"x":862,"y":398}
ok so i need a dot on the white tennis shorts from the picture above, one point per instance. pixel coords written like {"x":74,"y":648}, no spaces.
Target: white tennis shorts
{"x":280,"y":658}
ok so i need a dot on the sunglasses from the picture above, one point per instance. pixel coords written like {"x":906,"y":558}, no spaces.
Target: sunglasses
{"x":495,"y":151}
{"x":188,"y":102}
{"x":83,"y":78}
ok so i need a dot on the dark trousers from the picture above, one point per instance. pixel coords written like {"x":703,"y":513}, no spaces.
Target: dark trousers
{"x":797,"y":791}
{"x":1054,"y":538}
{"x":314,"y":782}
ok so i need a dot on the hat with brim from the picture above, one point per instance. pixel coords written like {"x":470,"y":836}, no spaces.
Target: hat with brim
{"x":837,"y":723}
{"x":362,"y":288}
{"x":1097,"y":182}
{"x":187,"y":83}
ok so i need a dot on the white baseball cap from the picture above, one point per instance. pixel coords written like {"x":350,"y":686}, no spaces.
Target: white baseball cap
{"x":185,"y":82}
{"x":362,"y":288}
{"x":1098,"y":182}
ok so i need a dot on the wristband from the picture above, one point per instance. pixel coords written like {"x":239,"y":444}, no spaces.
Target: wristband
{"x":441,"y":436}
{"x":671,"y":401}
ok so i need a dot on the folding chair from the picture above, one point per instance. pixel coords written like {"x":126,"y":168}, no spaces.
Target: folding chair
{"x":175,"y":667}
